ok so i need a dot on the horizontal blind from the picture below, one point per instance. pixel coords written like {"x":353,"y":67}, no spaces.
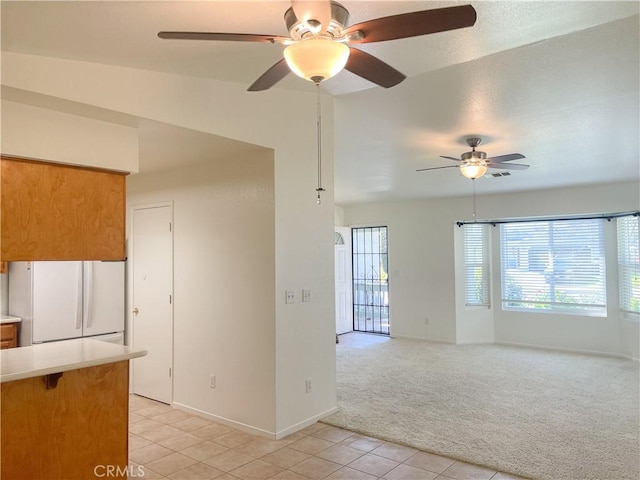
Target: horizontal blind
{"x":628,"y":264}
{"x":476,"y":264}
{"x":553,"y":266}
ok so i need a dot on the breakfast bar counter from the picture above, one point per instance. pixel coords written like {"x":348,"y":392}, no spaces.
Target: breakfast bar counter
{"x":46,"y":358}
{"x":65,"y":409}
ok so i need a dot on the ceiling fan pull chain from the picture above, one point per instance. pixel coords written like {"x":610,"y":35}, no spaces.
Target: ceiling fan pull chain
{"x":473,"y":182}
{"x":319,"y":130}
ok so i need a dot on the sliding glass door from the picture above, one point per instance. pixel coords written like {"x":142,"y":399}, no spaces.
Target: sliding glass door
{"x":370,"y":280}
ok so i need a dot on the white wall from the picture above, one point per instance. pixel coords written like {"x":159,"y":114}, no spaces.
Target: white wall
{"x":473,"y":324}
{"x":424,"y":274}
{"x":421,"y":263}
{"x":629,"y":343}
{"x":281,"y":120}
{"x":338,"y":216}
{"x":224,"y":284}
{"x":40,"y":133}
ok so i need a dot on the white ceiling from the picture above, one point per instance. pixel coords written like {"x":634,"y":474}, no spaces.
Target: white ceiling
{"x":555,"y":81}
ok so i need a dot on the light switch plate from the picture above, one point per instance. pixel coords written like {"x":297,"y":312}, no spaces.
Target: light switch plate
{"x":306,"y":295}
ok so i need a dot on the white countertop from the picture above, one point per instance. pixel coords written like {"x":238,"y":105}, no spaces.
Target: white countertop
{"x":45,"y":358}
{"x":9,"y":319}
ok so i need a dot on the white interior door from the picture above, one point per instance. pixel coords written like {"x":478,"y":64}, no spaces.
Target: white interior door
{"x":344,"y":312}
{"x":152,"y":324}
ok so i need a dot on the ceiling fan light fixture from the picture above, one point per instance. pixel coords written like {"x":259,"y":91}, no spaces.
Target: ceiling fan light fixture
{"x":303,"y":27}
{"x":317,"y":58}
{"x":473,"y":170}
{"x":474,"y":164}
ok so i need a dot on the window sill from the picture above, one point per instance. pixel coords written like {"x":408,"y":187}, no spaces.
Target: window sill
{"x":631,"y":316}
{"x":540,"y":311}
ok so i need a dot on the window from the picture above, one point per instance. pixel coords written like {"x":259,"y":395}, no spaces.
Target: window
{"x":629,"y":264}
{"x":553,"y":266}
{"x":476,"y":264}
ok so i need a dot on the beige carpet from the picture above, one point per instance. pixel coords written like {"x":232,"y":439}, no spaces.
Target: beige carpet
{"x":534,"y":413}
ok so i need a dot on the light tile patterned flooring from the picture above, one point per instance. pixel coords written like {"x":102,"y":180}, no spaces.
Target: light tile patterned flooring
{"x":168,"y":443}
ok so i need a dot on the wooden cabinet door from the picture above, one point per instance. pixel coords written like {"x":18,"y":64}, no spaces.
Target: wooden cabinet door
{"x":8,"y":335}
{"x":61,"y":212}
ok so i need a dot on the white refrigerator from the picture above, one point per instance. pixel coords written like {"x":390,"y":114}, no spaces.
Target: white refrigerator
{"x":63,"y":300}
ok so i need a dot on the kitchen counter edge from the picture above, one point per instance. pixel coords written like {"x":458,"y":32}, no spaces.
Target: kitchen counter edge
{"x":54,"y":357}
{"x":9,"y":319}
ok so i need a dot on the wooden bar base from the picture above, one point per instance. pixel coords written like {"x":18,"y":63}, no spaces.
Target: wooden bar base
{"x":76,"y":430}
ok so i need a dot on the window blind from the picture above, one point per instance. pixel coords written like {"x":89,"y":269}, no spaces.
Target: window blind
{"x":554,"y":266}
{"x":476,"y":265}
{"x":628,"y":264}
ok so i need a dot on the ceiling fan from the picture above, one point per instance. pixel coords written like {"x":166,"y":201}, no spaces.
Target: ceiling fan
{"x":318,"y":45}
{"x":474,"y":164}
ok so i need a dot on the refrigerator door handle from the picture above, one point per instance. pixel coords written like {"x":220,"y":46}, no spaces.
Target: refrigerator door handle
{"x":88,"y":285}
{"x":79,"y":297}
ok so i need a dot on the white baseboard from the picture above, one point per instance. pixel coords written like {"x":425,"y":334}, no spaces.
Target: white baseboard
{"x":254,"y":430}
{"x":427,"y":339}
{"x":567,"y":350}
{"x":225,"y":421}
{"x":305,"y":423}
{"x":523,"y":345}
{"x":475,"y":342}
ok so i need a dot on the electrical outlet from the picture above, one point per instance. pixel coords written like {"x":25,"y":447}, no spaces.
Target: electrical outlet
{"x":306,"y":295}
{"x":212,"y":381}
{"x":290,"y":296}
{"x":307,"y":385}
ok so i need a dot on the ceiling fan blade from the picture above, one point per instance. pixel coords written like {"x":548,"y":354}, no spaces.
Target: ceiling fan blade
{"x":413,"y":24}
{"x":319,"y":10}
{"x":508,"y":166}
{"x":505,"y":158}
{"x":451,"y":158}
{"x":224,"y":37}
{"x":373,"y":69}
{"x":436,"y":168}
{"x":272,"y":76}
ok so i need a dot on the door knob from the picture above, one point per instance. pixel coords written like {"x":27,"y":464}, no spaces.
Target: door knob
{"x":135,"y":311}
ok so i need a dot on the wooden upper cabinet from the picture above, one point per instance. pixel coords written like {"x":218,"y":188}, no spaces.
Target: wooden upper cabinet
{"x":61,"y":212}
